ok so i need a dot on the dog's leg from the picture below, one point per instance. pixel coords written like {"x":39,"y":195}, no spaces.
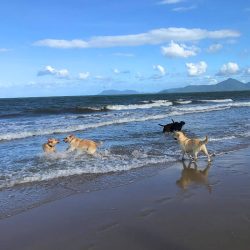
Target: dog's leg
{"x":183,"y":153}
{"x":182,"y":156}
{"x":204,"y":150}
{"x":195,"y":156}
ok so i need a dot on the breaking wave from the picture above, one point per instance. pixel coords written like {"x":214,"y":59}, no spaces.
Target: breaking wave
{"x":176,"y":111}
{"x":145,"y":105}
{"x":113,"y":164}
{"x":217,"y":100}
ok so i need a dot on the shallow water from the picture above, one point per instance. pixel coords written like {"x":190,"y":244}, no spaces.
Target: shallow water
{"x":127,"y":126}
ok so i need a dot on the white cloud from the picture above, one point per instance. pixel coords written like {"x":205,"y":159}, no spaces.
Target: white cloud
{"x":83,"y":75}
{"x":48,"y":70}
{"x":160,"y":69}
{"x":214,"y":48}
{"x":230,"y":68}
{"x":247,"y":71}
{"x":211,"y":80}
{"x":183,"y":9}
{"x":63,"y":73}
{"x":170,"y":1}
{"x":124,"y":54}
{"x":196,"y":69}
{"x":117,"y":71}
{"x":152,"y":37}
{"x":4,"y":50}
{"x":179,"y":50}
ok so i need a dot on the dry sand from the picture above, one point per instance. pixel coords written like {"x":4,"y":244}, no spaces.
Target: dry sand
{"x":176,"y":209}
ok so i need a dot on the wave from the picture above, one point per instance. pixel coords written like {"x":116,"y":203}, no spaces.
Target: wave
{"x":240,"y":104}
{"x":222,"y":138}
{"x":73,"y":128}
{"x":183,"y":101}
{"x":200,"y":109}
{"x":217,"y":100}
{"x":95,"y":168}
{"x":74,"y":110}
{"x":10,"y":115}
{"x":53,"y":111}
{"x":145,"y":105}
{"x":176,"y":111}
{"x":215,"y":107}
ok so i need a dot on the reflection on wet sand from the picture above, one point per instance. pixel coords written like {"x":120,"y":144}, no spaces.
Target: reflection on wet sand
{"x":193,"y":175}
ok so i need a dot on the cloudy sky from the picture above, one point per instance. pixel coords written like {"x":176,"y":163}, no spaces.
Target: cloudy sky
{"x":81,"y":47}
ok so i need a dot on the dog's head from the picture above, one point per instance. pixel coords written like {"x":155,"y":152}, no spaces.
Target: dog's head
{"x":69,"y":138}
{"x":177,"y":135}
{"x":182,"y":123}
{"x":180,"y":136}
{"x":52,"y":142}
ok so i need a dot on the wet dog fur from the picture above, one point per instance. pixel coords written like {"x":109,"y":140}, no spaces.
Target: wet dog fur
{"x":171,"y":127}
{"x":75,"y":143}
{"x":191,"y":147}
{"x":50,"y":145}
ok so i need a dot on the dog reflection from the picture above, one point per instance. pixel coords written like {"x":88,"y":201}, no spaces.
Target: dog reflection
{"x":190,"y":175}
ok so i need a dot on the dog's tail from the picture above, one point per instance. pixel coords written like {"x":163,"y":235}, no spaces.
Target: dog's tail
{"x":205,"y":141}
{"x":98,"y":144}
{"x":161,"y":125}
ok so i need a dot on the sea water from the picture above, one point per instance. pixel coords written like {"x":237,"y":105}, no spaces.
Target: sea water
{"x":127,"y":126}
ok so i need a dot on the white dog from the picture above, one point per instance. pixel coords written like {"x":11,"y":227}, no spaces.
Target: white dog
{"x":75,"y":143}
{"x":191,"y":146}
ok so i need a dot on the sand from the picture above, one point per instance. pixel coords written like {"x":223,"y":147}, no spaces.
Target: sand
{"x":175,"y":209}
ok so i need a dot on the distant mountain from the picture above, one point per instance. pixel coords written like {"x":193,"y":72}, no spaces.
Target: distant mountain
{"x":227,"y":85}
{"x":118,"y":92}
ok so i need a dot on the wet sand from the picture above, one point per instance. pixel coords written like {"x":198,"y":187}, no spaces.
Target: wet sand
{"x":178,"y":208}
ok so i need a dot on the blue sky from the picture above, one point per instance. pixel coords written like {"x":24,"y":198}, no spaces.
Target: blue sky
{"x":81,"y":47}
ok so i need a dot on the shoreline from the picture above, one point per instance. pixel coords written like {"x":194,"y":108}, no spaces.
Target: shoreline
{"x":172,"y":209}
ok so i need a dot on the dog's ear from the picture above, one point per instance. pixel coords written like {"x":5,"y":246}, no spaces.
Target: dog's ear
{"x":49,"y":140}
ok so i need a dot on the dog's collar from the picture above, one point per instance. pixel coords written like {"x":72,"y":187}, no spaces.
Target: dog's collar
{"x":49,"y":145}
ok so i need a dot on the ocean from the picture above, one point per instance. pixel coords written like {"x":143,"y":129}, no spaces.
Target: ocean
{"x":127,"y":126}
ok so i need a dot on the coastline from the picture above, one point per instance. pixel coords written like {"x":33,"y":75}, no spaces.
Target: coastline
{"x":209,"y":212}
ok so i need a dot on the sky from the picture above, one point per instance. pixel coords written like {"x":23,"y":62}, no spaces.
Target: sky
{"x":82,"y":47}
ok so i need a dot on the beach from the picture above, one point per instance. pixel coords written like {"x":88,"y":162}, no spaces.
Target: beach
{"x":210,"y":210}
{"x":99,"y":103}
{"x":134,"y":192}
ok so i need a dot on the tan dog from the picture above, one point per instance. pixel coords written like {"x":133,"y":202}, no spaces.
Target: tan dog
{"x":191,"y":146}
{"x":50,"y":146}
{"x":80,"y":144}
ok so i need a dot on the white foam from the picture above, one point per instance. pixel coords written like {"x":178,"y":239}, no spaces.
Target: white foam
{"x":217,"y":100}
{"x":222,"y":138}
{"x":116,"y":165}
{"x":80,"y":127}
{"x":241,"y":104}
{"x":154,"y":104}
{"x":25,"y":134}
{"x":183,"y":102}
{"x":214,"y":107}
{"x":200,"y":109}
